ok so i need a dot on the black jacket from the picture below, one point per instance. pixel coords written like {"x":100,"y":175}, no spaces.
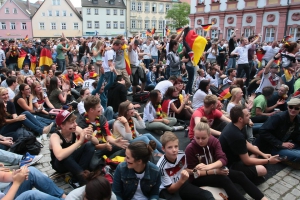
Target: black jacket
{"x":116,"y":95}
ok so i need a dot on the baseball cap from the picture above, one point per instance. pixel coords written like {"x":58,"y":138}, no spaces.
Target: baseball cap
{"x":62,"y":116}
{"x":294,"y":102}
{"x":93,"y":75}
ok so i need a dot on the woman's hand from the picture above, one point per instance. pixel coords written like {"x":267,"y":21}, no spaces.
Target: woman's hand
{"x":204,"y":167}
{"x":122,"y":119}
{"x":21,"y":117}
{"x":223,"y":172}
{"x":186,"y":99}
{"x":20,"y":175}
{"x":108,"y":146}
{"x":165,"y":121}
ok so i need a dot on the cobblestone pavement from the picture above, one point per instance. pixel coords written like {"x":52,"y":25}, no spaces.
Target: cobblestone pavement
{"x":283,"y":185}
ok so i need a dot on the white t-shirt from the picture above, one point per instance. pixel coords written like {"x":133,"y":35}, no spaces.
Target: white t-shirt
{"x":108,"y":55}
{"x":229,"y":106}
{"x":268,"y":80}
{"x":270,"y":52}
{"x":81,"y":108}
{"x":198,"y":99}
{"x":243,"y":53}
{"x":134,"y":57}
{"x":11,"y":93}
{"x":147,"y":49}
{"x":170,"y":172}
{"x":163,"y":86}
{"x":88,"y":84}
{"x":214,"y":81}
{"x":154,"y":50}
{"x":139,"y":193}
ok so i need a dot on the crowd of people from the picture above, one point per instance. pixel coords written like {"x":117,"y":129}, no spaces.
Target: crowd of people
{"x":239,"y":107}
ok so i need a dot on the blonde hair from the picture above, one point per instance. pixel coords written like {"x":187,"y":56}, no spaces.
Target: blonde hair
{"x":167,"y":137}
{"x":210,"y":99}
{"x":20,"y":79}
{"x":203,"y":125}
{"x":234,"y":92}
{"x":2,"y":89}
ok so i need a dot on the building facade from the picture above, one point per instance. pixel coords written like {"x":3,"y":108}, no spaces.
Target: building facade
{"x":55,"y":17}
{"x":103,"y":18}
{"x":147,"y":14}
{"x":15,"y":19}
{"x":273,"y":19}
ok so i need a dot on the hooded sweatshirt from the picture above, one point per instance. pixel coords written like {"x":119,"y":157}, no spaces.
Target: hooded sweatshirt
{"x":211,"y":153}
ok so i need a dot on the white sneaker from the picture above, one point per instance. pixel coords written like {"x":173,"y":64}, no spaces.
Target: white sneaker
{"x":178,"y":128}
{"x":39,"y":139}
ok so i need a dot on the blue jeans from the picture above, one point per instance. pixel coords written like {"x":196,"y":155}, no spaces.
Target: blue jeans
{"x":147,"y":63}
{"x":231,"y":63}
{"x":155,"y":58}
{"x":175,"y":73}
{"x":189,"y":85}
{"x":13,"y":66}
{"x":36,"y":195}
{"x":40,"y":182}
{"x":109,"y":113}
{"x":61,"y":63}
{"x":9,"y":157}
{"x":293,"y":155}
{"x":12,"y":134}
{"x":146,"y":138}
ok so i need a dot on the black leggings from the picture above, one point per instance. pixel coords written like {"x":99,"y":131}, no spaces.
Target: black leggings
{"x":226,"y":182}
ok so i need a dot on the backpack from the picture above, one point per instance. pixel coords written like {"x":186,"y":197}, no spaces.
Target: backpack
{"x":141,"y":97}
{"x":26,"y":144}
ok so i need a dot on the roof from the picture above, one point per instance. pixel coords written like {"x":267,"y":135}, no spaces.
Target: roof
{"x":24,"y":7}
{"x":104,"y":4}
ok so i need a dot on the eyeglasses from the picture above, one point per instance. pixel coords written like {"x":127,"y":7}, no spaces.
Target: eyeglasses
{"x":294,"y":107}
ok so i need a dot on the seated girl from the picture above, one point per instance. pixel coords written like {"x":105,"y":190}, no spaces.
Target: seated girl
{"x":202,"y":91}
{"x":205,"y":156}
{"x":137,"y":178}
{"x":126,"y":124}
{"x":153,"y":115}
{"x":57,"y":96}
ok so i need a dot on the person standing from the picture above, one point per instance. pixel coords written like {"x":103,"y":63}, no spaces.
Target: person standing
{"x":61,"y":51}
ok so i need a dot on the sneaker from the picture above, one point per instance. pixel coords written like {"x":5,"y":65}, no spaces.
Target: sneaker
{"x":47,"y":129}
{"x":178,"y":128}
{"x":30,"y":159}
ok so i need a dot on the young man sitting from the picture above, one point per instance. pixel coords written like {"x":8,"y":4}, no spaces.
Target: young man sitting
{"x":94,"y":118}
{"x":174,"y":172}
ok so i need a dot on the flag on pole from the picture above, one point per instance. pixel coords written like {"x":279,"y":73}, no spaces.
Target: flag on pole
{"x":179,"y":30}
{"x":26,"y":38}
{"x":127,"y":61}
{"x":194,"y":45}
{"x":21,"y":58}
{"x":148,"y":32}
{"x":206,"y":27}
{"x":153,"y":31}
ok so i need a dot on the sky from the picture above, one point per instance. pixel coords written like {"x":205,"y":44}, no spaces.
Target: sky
{"x":76,"y":3}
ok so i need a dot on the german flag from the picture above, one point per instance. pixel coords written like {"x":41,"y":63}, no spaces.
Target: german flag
{"x":21,"y":58}
{"x":148,"y":32}
{"x":26,"y":38}
{"x":194,"y":45}
{"x":286,"y":38}
{"x":153,"y":31}
{"x":224,"y":92}
{"x":33,"y":60}
{"x":77,"y":78}
{"x":127,"y":61}
{"x":179,"y":30}
{"x":206,"y":27}
{"x":168,"y":31}
{"x":45,"y":57}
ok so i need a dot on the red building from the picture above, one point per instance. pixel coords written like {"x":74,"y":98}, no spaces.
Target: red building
{"x":271,"y":18}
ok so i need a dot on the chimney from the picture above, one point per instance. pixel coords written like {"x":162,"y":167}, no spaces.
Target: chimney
{"x":28,"y":4}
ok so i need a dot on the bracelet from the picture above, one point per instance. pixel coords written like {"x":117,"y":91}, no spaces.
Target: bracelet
{"x":268,"y":161}
{"x":206,"y":173}
{"x":215,"y":172}
{"x":275,"y":58}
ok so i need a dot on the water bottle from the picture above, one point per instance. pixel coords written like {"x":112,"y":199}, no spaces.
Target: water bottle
{"x":183,"y":93}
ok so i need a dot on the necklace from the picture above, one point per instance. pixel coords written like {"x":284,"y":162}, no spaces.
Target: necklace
{"x":131,"y":125}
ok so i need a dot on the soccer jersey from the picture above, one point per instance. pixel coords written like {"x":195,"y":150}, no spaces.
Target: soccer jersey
{"x":170,"y":172}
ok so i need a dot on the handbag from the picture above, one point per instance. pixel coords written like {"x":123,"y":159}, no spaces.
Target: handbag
{"x":26,"y":144}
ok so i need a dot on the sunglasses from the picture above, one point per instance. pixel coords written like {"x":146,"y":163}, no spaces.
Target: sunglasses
{"x":294,"y":107}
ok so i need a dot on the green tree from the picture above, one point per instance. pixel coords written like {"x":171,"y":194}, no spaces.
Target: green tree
{"x":179,"y":15}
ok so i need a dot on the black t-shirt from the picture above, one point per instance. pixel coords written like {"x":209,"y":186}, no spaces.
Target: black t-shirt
{"x":13,"y":57}
{"x":233,"y":142}
{"x":19,"y":109}
{"x":231,"y":45}
{"x":10,"y":109}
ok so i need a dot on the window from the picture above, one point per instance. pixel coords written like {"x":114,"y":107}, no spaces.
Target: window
{"x":23,"y":26}
{"x":295,"y":33}
{"x":108,"y":24}
{"x":96,"y":11}
{"x":64,"y":13}
{"x":75,"y":26}
{"x":50,"y":13}
{"x":115,"y":25}
{"x":71,"y":14}
{"x":154,"y":7}
{"x":167,"y":8}
{"x":12,"y":25}
{"x":107,"y":11}
{"x":133,"y":24}
{"x":43,"y":14}
{"x":63,"y":26}
{"x":153,"y":24}
{"x":89,"y":24}
{"x":96,"y":24}
{"x":3,"y":25}
{"x":42,"y":26}
{"x":88,"y":11}
{"x":55,"y":2}
{"x":53,"y":25}
{"x":132,"y":5}
{"x":160,"y":25}
{"x":248,"y":32}
{"x":146,"y":24}
{"x":122,"y":26}
{"x":146,"y":7}
{"x":228,"y":34}
{"x":57,"y":13}
{"x":58,"y":2}
{"x":214,"y":33}
{"x":6,"y":10}
{"x":115,"y":12}
{"x":139,"y":25}
{"x":15,"y":11}
{"x":121,"y":12}
{"x":139,"y":6}
{"x":161,"y":8}
{"x":270,"y":34}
